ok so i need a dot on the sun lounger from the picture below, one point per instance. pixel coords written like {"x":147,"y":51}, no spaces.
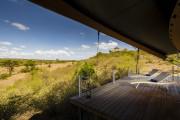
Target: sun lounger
{"x":153,"y":71}
{"x":160,"y":77}
{"x":147,"y":76}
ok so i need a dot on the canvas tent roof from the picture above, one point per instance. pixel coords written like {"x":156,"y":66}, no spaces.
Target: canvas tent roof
{"x":142,"y":23}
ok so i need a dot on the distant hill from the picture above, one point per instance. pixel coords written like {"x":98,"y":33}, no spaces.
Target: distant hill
{"x":128,"y":60}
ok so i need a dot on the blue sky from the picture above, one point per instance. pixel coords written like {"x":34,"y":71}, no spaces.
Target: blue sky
{"x":29,"y":31}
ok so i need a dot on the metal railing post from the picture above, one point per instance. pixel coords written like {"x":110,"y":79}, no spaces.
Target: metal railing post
{"x":113,"y":76}
{"x":79,"y":85}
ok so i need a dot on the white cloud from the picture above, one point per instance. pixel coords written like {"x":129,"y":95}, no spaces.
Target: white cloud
{"x":62,"y":54}
{"x":54,"y":52}
{"x":85,"y":46}
{"x":71,"y":52}
{"x":23,"y":46}
{"x":13,"y":52}
{"x":6,"y":21}
{"x":17,"y":25}
{"x":103,"y":34}
{"x":3,"y":49}
{"x":20,"y":26}
{"x":7,"y":50}
{"x":16,"y":54}
{"x":17,"y":49}
{"x":107,"y":45}
{"x":66,"y":48}
{"x":5,"y":43}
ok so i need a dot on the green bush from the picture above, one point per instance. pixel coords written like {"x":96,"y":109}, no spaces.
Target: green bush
{"x":24,"y":70}
{"x":30,"y":65}
{"x":4,"y":76}
{"x":104,"y":77}
{"x":121,"y":72}
{"x":86,"y":71}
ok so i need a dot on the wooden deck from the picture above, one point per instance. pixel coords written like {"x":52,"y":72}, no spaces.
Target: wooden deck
{"x":123,"y":101}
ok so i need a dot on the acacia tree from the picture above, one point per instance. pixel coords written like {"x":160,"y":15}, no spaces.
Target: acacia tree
{"x":9,"y":64}
{"x":30,"y":65}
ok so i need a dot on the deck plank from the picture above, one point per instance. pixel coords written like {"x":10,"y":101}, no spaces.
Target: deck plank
{"x":122,"y":101}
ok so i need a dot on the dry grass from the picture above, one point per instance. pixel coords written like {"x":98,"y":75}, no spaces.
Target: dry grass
{"x":44,"y":93}
{"x":23,"y":76}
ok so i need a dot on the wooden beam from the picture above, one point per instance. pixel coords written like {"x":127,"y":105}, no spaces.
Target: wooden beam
{"x":174,"y":26}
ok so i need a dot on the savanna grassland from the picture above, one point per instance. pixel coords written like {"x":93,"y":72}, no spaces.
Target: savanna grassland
{"x":40,"y":90}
